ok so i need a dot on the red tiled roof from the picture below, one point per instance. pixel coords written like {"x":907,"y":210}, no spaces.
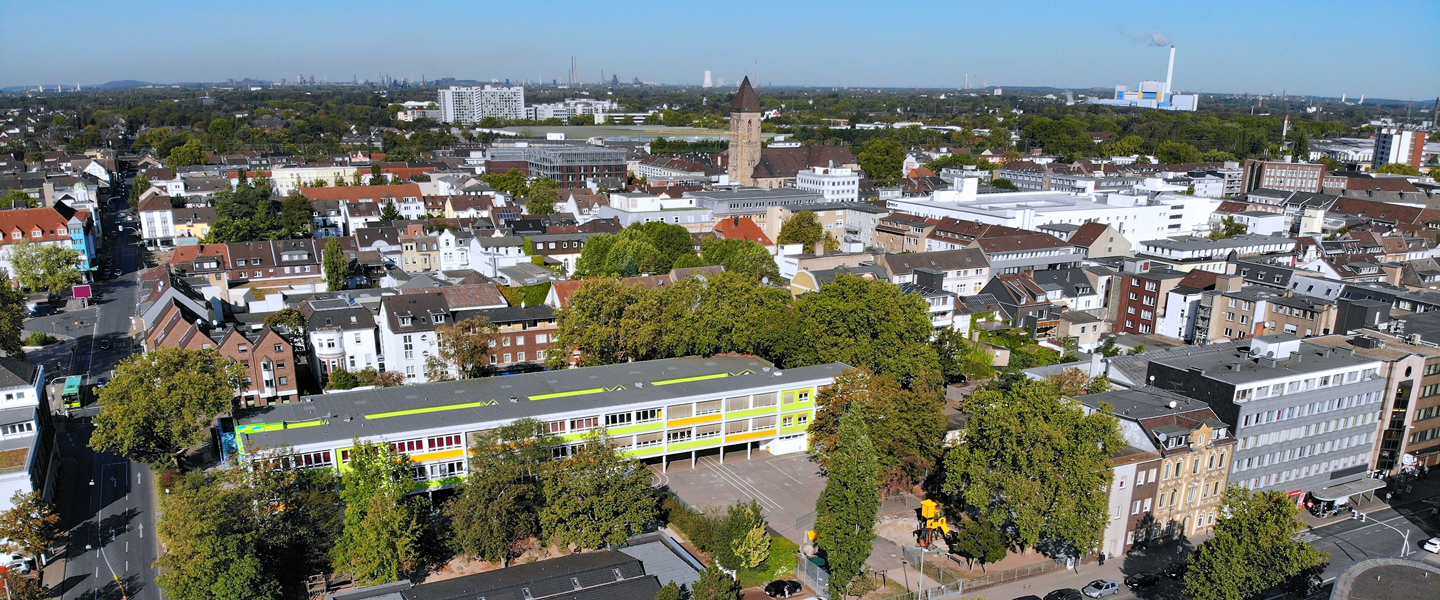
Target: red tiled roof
{"x":742,"y":228}
{"x":1088,"y":233}
{"x":27,"y":221}
{"x":564,"y":290}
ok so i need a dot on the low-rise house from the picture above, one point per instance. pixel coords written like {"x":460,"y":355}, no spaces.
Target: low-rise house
{"x":900,"y":232}
{"x":407,"y":332}
{"x":1028,"y":304}
{"x":342,"y":335}
{"x":811,"y":281}
{"x":965,"y":271}
{"x":1086,"y":329}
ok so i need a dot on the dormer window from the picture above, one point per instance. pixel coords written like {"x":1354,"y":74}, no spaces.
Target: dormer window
{"x":405,"y":321}
{"x":241,"y":263}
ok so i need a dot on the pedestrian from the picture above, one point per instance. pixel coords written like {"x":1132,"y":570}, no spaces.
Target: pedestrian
{"x":1102,"y":559}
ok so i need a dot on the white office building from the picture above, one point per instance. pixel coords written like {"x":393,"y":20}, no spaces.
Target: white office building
{"x":1137,"y":217}
{"x":468,"y":105}
{"x":837,"y":184}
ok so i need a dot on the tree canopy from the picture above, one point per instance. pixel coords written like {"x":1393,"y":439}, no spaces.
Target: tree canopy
{"x":31,"y":525}
{"x":845,"y":513}
{"x":497,"y":509}
{"x":1035,"y":465}
{"x":463,"y":349}
{"x":380,"y":539}
{"x":640,"y":249}
{"x":335,"y":265}
{"x":596,"y":498}
{"x":909,"y":443}
{"x":1253,"y":548}
{"x":12,"y":318}
{"x":802,"y":228}
{"x":882,"y":158}
{"x":45,"y":267}
{"x":161,"y":403}
{"x":1398,"y":169}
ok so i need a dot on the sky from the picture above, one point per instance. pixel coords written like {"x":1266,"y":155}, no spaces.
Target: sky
{"x":1380,"y":48}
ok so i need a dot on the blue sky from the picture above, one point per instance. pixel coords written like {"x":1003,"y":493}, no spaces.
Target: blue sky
{"x":1381,"y":48}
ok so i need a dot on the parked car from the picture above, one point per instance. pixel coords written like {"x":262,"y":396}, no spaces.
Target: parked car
{"x":1100,"y":588}
{"x":17,"y":563}
{"x":102,"y":382}
{"x":782,"y":588}
{"x":1030,"y":597}
{"x":1432,"y":545}
{"x":1176,"y":570}
{"x":1142,"y":580}
{"x":1065,"y":594}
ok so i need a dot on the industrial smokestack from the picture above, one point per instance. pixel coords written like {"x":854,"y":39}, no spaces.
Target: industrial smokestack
{"x":1170,"y":73}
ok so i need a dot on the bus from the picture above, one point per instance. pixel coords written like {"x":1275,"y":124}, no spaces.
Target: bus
{"x":72,"y":395}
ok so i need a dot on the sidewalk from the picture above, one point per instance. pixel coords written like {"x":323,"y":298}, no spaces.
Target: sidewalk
{"x":1117,"y":569}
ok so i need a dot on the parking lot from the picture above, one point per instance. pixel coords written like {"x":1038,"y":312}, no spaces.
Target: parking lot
{"x":785,"y":486}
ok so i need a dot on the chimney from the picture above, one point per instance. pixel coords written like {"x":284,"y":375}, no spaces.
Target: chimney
{"x":819,"y":247}
{"x":1170,"y":73}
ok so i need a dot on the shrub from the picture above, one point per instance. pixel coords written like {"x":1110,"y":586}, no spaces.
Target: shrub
{"x":701,"y":530}
{"x":39,"y":338}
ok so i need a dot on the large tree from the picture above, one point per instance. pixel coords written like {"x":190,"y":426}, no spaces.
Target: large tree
{"x":864,"y":322}
{"x":961,"y":359}
{"x":907,"y":447}
{"x":715,"y":584}
{"x":335,"y":264}
{"x":598,"y":497}
{"x":882,"y":158}
{"x":297,"y":215}
{"x":1174,"y":153}
{"x":464,"y":348}
{"x":802,"y":228}
{"x":543,"y":195}
{"x":12,"y":318}
{"x":1253,"y":549}
{"x":31,"y":525}
{"x":741,"y":256}
{"x":138,"y":187}
{"x":160,"y":404}
{"x":190,"y":153}
{"x":497,"y":509}
{"x":290,"y":324}
{"x":1036,"y":466}
{"x":380,"y":541}
{"x":246,"y":533}
{"x":45,"y":267}
{"x":845,"y":513}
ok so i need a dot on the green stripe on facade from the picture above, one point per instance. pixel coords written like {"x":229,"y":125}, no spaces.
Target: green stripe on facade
{"x":566,"y":394}
{"x":689,"y":379}
{"x":429,"y":409}
{"x":752,"y":412}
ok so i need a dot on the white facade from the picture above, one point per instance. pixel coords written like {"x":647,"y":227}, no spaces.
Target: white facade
{"x":644,"y":208}
{"x":405,"y":352}
{"x":571,"y":107}
{"x":1135,"y":217}
{"x":21,"y":429}
{"x":837,"y":184}
{"x":1179,"y":318}
{"x":157,"y":226}
{"x":468,"y":105}
{"x":350,"y":349}
{"x":1397,"y":145}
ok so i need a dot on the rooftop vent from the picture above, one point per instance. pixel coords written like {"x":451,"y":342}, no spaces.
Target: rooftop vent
{"x":1173,"y":404}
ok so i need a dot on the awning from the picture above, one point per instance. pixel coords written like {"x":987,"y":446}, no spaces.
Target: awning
{"x":1347,"y":489}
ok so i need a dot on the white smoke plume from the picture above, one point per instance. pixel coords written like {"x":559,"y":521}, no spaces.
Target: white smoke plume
{"x":1155,"y":38}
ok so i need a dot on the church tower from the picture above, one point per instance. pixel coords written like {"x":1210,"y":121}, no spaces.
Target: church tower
{"x":744,"y":135}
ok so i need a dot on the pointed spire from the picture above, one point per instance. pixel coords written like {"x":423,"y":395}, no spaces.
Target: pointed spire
{"x":745,"y":99}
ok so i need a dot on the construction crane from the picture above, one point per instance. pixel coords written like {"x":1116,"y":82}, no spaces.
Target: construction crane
{"x":934,"y":521}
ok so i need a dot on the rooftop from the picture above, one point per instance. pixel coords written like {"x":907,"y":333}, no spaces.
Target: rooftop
{"x":385,"y":411}
{"x":1236,"y":366}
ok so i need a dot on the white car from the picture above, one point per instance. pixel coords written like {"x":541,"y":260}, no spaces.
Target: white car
{"x":1432,"y":545}
{"x":17,"y":563}
{"x":1101,"y":587}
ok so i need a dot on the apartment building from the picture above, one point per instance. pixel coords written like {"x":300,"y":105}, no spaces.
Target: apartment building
{"x":27,"y":433}
{"x":1300,"y":315}
{"x":342,"y":335}
{"x":1234,"y":315}
{"x":1307,"y":416}
{"x":900,"y":232}
{"x":269,"y":361}
{"x":837,"y":184}
{"x":53,"y":226}
{"x":1178,"y":492}
{"x":963,"y":272}
{"x":1399,"y":145}
{"x":657,"y":410}
{"x":523,"y":333}
{"x":1187,"y":253}
{"x":1143,"y":290}
{"x":1283,"y":175}
{"x":470,"y":105}
{"x":407,"y":332}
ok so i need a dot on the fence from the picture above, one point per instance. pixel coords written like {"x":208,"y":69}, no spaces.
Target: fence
{"x":998,"y":577}
{"x":811,"y":574}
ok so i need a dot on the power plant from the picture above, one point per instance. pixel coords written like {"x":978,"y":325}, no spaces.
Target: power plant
{"x":1153,"y":94}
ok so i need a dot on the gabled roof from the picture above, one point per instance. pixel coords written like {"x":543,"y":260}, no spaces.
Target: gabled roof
{"x":1088,"y":233}
{"x":742,"y":228}
{"x":745,"y":100}
{"x":355,"y":193}
{"x":942,"y":260}
{"x":15,"y":372}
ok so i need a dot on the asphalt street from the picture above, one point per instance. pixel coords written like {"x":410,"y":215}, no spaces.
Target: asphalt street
{"x":109,"y":502}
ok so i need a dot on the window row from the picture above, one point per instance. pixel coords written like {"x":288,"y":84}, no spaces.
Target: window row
{"x":1313,"y":408}
{"x":1305,"y":385}
{"x":1277,"y":457}
{"x":1306,"y":471}
{"x":1295,"y":433}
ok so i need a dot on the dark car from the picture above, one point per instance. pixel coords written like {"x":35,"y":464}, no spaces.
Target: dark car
{"x":104,"y":344}
{"x":781,"y":588}
{"x":1176,"y":570}
{"x":1030,"y":597}
{"x":1065,"y":594}
{"x":1142,"y":580}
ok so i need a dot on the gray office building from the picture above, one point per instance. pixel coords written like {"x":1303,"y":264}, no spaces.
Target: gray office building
{"x":1306,"y":416}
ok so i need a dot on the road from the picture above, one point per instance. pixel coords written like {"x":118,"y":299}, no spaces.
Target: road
{"x":108,"y":501}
